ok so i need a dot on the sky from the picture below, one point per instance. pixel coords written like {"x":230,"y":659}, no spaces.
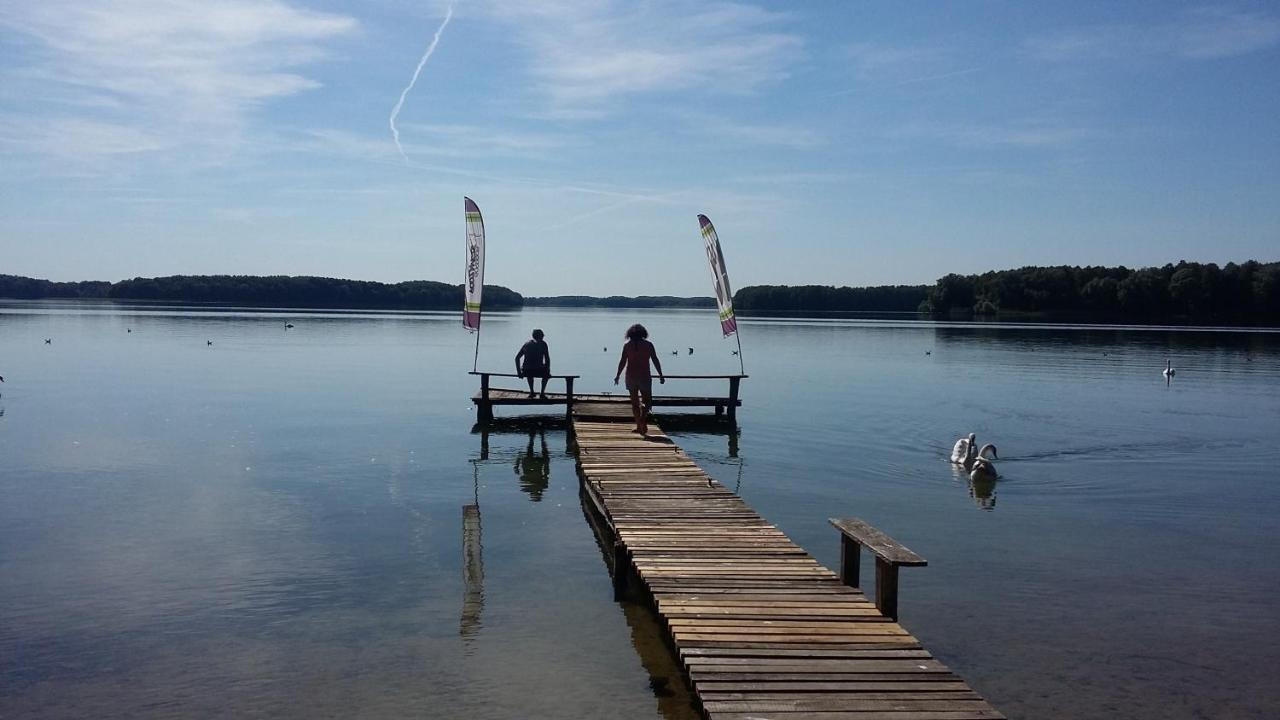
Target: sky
{"x":840,"y":143}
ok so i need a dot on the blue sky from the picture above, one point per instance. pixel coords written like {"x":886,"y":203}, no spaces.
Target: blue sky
{"x":834,"y":142}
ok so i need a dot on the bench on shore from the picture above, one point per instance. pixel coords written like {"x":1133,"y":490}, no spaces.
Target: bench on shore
{"x":490,"y":396}
{"x":890,"y":555}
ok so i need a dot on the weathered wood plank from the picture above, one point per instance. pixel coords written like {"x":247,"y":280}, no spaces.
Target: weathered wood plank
{"x":877,"y":542}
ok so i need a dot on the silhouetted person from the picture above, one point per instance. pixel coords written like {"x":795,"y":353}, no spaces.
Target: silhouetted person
{"x":636,"y":356}
{"x":536,"y":362}
{"x":534,"y":469}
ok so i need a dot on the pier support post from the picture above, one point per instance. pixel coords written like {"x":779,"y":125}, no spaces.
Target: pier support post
{"x":733,"y":398}
{"x":621,"y":569}
{"x":850,"y":561}
{"x":568,"y":396}
{"x":484,"y":408}
{"x":887,"y":589}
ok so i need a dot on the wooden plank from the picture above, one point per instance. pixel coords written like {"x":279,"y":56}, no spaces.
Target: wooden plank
{"x":882,"y":545}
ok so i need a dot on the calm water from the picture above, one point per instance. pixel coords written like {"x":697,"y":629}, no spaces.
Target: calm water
{"x":272,"y":525}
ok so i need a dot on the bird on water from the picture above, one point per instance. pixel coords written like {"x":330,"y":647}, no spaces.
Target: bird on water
{"x":48,"y":341}
{"x":1168,"y":369}
{"x":983,"y":469}
{"x":964,"y":453}
{"x":288,"y":325}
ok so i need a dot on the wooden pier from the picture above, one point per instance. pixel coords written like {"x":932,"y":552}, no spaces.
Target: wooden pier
{"x":759,"y":627}
{"x":489,"y":396}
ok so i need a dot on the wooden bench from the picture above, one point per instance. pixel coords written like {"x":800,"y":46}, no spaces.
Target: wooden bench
{"x":484,"y":403}
{"x":490,"y":396}
{"x":890,"y":555}
{"x":735,"y":382}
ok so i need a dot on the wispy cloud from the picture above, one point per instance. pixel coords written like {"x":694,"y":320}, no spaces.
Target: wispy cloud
{"x":776,"y":134}
{"x":588,"y":55}
{"x":155,"y":74}
{"x":880,"y":66}
{"x":1205,"y":33}
{"x":1017,"y":134}
{"x":472,"y":140}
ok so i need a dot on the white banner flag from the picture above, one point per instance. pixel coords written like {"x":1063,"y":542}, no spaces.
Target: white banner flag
{"x":473,"y":285}
{"x":724,"y":296}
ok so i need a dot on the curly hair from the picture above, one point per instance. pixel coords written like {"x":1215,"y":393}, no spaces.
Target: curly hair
{"x":637,"y":332}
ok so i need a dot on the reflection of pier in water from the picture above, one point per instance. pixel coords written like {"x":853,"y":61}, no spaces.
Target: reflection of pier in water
{"x":676,"y":700}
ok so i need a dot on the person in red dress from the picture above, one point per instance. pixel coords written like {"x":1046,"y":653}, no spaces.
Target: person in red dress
{"x":637,"y":353}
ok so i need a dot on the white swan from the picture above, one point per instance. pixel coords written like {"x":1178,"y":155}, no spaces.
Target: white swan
{"x":962,"y":452}
{"x":964,"y":455}
{"x":1168,"y":369}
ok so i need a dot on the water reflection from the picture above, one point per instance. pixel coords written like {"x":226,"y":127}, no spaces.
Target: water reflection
{"x":982,"y":489}
{"x":671,"y":690}
{"x":472,"y":572}
{"x":533,"y":468}
{"x":472,"y":562}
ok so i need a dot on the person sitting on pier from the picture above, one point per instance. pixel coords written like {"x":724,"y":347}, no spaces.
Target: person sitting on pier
{"x":537,"y":362}
{"x":636,"y":355}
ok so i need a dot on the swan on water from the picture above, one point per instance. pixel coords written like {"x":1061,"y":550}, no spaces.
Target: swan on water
{"x":963,"y":453}
{"x":964,"y":446}
{"x":1168,"y":369}
{"x":983,"y":469}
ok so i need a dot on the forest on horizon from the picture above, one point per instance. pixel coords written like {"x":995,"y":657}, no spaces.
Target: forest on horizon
{"x":1247,"y":293}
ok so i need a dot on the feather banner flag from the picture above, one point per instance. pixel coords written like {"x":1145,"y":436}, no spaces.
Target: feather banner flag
{"x":720,"y":274}
{"x":473,"y":288}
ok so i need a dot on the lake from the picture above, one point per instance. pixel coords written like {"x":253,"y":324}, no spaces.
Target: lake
{"x":271,"y":524}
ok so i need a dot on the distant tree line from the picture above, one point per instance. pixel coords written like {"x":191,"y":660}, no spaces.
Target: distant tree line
{"x":822,"y":298}
{"x":1246,"y":292}
{"x":274,"y":290}
{"x":25,"y":288}
{"x":619,"y":301}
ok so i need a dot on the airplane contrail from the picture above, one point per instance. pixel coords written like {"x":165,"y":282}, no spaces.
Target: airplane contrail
{"x":395,"y":133}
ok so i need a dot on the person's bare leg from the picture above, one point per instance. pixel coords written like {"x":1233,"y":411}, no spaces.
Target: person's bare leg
{"x":530,"y":379}
{"x":544,"y":387}
{"x":638,"y":413}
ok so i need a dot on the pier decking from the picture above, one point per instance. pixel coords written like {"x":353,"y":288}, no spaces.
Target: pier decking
{"x":761,"y":629}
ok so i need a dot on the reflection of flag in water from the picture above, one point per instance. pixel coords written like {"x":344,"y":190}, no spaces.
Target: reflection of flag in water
{"x":720,"y":274}
{"x":473,"y":286}
{"x":472,"y":571}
